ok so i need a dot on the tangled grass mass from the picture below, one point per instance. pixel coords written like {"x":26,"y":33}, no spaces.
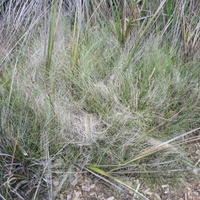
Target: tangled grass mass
{"x":111,"y":88}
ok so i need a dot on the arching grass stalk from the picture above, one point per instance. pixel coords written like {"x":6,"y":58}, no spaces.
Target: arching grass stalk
{"x":161,"y":147}
{"x":122,"y":24}
{"x":51,"y":37}
{"x":164,"y":146}
{"x":45,"y":136}
{"x":126,"y":65}
{"x":55,"y":11}
{"x":75,"y":45}
{"x":99,"y":172}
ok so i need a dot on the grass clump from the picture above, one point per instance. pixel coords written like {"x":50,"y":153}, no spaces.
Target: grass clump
{"x":112,"y":102}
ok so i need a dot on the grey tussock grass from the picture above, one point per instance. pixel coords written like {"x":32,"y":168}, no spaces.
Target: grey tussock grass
{"x":115,"y":94}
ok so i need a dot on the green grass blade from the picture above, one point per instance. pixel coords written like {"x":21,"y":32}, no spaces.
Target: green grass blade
{"x":126,"y":65}
{"x":51,"y":37}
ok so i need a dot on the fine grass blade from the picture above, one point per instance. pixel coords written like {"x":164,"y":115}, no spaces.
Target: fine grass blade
{"x":51,"y":37}
{"x":126,"y":65}
{"x":161,"y":147}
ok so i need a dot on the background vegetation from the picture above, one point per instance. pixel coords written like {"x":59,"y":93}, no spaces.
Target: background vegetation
{"x":110,"y":86}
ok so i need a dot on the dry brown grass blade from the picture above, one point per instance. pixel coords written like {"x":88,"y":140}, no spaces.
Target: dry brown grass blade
{"x":163,"y":146}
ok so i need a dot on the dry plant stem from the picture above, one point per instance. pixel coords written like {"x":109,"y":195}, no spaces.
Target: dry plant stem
{"x":102,"y":178}
{"x":10,"y":170}
{"x":40,"y":182}
{"x":102,"y":174}
{"x":45,"y":137}
{"x":2,"y":197}
{"x":8,"y":48}
{"x":153,"y":129}
{"x":151,"y":171}
{"x":96,"y":9}
{"x":133,"y":51}
{"x":160,"y":125}
{"x":161,"y":147}
{"x":51,"y":38}
{"x":57,"y":191}
{"x":75,"y":45}
{"x":48,"y":174}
